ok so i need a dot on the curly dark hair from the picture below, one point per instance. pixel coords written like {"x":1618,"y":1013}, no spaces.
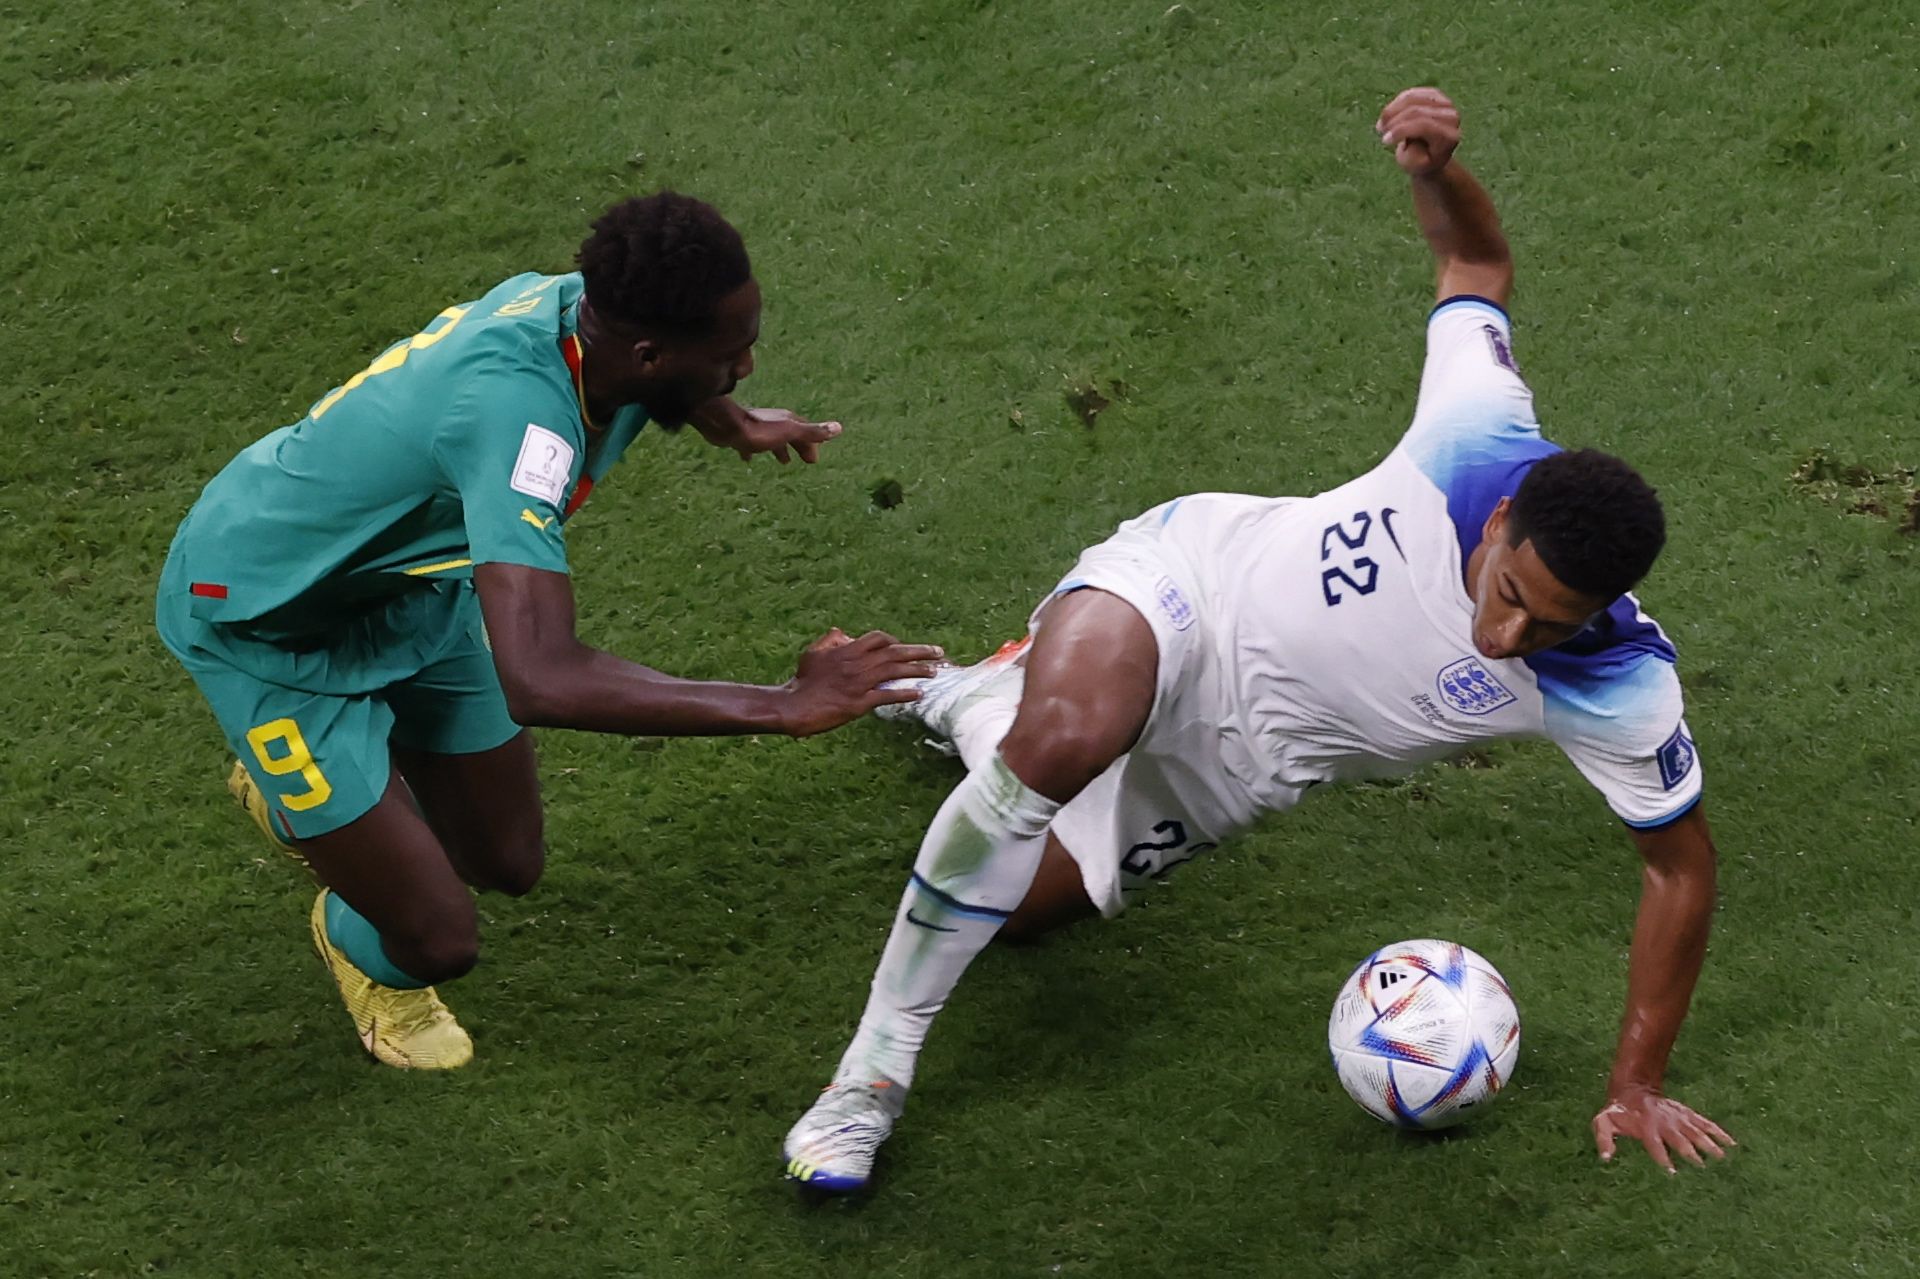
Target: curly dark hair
{"x":1594,"y":522}
{"x":662,"y":262}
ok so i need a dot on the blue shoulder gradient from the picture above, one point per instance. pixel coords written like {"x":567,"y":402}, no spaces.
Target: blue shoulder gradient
{"x":1629,"y":690}
{"x":1476,"y":452}
{"x":1613,"y":679}
{"x":1626,"y":693}
{"x":1475,"y":449}
{"x":1589,"y":670}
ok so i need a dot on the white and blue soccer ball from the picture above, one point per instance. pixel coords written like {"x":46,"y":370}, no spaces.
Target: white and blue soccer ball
{"x":1424,"y":1034}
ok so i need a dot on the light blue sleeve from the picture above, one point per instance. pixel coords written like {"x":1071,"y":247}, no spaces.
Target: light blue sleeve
{"x":1624,"y":727}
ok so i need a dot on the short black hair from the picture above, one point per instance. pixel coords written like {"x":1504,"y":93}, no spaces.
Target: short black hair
{"x":662,"y":263}
{"x":1596,"y":525}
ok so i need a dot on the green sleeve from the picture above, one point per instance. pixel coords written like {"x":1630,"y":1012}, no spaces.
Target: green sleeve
{"x":514,"y":453}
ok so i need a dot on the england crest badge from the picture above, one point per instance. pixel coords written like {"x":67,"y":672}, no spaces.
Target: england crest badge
{"x":1470,"y":688}
{"x":1173,"y":604}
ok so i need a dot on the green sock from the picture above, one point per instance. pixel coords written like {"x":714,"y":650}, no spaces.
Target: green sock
{"x":348,"y":929}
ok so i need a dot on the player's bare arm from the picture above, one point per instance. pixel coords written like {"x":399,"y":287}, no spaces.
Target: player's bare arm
{"x":1669,"y":945}
{"x":551,"y":679}
{"x":1456,"y":216}
{"x":781,"y":432}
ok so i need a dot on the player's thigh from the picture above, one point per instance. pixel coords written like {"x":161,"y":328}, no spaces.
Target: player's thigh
{"x":1090,"y":687}
{"x":319,"y":759}
{"x":469,"y":765}
{"x":485,"y":807}
{"x":322,"y":762}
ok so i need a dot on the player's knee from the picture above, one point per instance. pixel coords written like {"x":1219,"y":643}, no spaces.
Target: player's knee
{"x":509,"y":860}
{"x":516,"y":869}
{"x":1057,"y":752}
{"x":523,"y":868}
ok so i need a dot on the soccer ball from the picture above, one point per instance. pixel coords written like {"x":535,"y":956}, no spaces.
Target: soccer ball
{"x":1423,"y":1033}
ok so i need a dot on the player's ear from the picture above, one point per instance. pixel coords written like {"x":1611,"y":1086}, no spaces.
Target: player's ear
{"x":646,"y":354}
{"x":1495,"y":529}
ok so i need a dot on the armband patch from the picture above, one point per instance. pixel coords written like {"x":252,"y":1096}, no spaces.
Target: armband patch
{"x":1676,"y":757}
{"x":1502,"y":349}
{"x":544,"y":465}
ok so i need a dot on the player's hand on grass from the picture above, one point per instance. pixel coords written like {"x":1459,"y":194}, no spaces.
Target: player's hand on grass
{"x":839,"y":678}
{"x":780,"y":431}
{"x":1663,"y":1126}
{"x":1423,"y":127}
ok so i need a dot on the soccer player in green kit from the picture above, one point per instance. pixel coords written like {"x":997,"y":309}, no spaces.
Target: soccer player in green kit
{"x":375,"y":600}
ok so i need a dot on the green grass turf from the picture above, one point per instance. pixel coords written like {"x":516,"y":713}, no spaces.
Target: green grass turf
{"x":963,"y":213}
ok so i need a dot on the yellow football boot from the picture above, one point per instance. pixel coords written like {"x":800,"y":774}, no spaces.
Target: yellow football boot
{"x":410,"y":1029}
{"x":250,"y":797}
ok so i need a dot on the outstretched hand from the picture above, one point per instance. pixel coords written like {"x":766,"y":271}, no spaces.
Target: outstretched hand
{"x":1660,"y":1124}
{"x":1423,"y":128}
{"x":776,"y":431}
{"x":840,"y":678}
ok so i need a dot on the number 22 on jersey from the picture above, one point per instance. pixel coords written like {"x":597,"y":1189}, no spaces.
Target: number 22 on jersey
{"x":1333,"y":579}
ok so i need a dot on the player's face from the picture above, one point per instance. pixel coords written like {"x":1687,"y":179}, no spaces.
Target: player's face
{"x":681,"y":376}
{"x":1519,"y":606}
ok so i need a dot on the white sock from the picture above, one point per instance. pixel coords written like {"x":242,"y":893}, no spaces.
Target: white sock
{"x":975,"y":866}
{"x":977,"y":733}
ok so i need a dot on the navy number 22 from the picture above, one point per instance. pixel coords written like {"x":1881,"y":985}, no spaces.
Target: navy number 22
{"x":1156,"y":858}
{"x":1339,"y":576}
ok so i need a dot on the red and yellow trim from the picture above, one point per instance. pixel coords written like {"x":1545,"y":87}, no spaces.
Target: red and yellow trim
{"x":441,"y":567}
{"x":579,"y":498}
{"x":573,"y":351}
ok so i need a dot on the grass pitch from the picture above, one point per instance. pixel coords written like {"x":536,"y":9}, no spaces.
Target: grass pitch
{"x":1052,"y":263}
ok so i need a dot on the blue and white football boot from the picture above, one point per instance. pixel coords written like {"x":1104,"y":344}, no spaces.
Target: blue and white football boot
{"x":832,"y":1147}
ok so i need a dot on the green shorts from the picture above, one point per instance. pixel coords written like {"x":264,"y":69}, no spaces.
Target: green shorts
{"x":314,"y":722}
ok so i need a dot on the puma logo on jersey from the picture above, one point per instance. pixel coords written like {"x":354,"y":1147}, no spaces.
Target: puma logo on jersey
{"x":533,"y":519}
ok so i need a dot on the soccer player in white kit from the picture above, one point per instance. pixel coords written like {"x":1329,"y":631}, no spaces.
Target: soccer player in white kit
{"x":1221,"y":654}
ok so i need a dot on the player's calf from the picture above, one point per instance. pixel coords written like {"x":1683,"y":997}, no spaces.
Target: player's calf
{"x":400,"y":1022}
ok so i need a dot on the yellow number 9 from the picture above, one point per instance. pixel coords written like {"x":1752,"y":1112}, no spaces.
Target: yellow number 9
{"x":298,"y":759}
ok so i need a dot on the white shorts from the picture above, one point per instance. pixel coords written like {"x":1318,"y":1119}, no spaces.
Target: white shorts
{"x":1190,"y":780}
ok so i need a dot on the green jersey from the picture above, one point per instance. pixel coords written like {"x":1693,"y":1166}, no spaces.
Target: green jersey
{"x":466,"y":444}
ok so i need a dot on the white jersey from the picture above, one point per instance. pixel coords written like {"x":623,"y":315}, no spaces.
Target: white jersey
{"x":1311,"y":640}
